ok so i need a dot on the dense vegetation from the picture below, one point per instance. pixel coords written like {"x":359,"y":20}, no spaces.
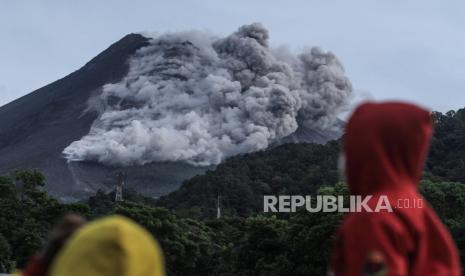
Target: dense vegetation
{"x":235,"y":245}
{"x":242,"y":181}
{"x":447,"y":154}
{"x":245,"y":241}
{"x":27,"y":213}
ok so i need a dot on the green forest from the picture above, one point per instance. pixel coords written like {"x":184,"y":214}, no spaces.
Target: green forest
{"x":245,"y":241}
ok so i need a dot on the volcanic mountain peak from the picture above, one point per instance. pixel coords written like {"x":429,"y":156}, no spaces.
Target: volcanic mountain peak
{"x":220,"y":96}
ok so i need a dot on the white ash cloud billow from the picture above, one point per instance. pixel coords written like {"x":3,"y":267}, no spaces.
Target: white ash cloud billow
{"x":196,"y":98}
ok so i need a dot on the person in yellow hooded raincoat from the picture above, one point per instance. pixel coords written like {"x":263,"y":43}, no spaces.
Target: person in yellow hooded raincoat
{"x":113,"y":246}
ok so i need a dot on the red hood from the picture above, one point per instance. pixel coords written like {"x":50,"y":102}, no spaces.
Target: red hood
{"x":386,"y":145}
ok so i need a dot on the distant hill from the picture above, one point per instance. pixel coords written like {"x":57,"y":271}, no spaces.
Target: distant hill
{"x":301,"y":169}
{"x":242,"y":181}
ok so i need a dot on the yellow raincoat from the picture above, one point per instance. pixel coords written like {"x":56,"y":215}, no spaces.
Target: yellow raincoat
{"x":111,"y":246}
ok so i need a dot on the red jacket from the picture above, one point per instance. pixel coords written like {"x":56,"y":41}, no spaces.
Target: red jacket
{"x":386,"y":145}
{"x":35,"y":267}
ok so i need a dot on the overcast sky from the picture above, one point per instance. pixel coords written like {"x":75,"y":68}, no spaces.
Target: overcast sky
{"x":397,"y":49}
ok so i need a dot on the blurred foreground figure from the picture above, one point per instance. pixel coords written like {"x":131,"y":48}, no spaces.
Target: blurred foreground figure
{"x":110,"y":246}
{"x":62,"y":230}
{"x":386,"y":145}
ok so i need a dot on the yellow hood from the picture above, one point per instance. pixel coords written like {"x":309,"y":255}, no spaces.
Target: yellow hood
{"x":111,"y":246}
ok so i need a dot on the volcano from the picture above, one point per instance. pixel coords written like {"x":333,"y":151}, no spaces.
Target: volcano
{"x":37,"y":128}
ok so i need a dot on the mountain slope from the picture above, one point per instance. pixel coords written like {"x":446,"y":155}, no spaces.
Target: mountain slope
{"x":36,"y":128}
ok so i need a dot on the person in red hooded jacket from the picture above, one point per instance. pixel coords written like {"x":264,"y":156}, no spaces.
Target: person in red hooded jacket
{"x":385,"y":146}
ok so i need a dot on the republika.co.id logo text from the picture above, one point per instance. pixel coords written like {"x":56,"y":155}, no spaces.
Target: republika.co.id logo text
{"x":330,"y":203}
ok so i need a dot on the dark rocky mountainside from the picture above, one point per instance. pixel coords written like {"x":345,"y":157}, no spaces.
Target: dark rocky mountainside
{"x":36,"y":128}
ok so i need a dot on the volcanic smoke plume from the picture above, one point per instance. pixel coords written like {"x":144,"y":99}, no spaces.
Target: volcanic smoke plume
{"x":196,"y":98}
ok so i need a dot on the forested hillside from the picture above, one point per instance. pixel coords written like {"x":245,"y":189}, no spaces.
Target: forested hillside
{"x":242,"y":181}
{"x":447,"y":153}
{"x":234,"y":245}
{"x":245,"y":241}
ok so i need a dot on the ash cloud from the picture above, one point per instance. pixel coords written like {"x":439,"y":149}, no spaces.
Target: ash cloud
{"x":197,"y":98}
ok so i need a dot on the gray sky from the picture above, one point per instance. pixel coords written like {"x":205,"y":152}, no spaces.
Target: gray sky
{"x":396,"y":49}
